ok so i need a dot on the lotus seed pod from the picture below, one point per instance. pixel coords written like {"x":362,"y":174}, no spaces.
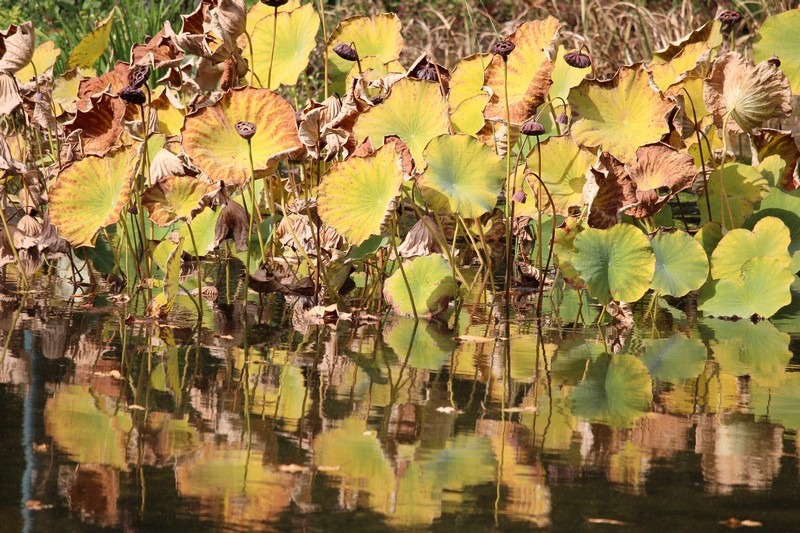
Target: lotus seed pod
{"x":274,"y":3}
{"x":577,"y":59}
{"x":502,"y":48}
{"x":774,"y":60}
{"x":730,"y":17}
{"x":428,"y":72}
{"x":520,"y":197}
{"x":138,"y":76}
{"x":346,"y":52}
{"x":132,"y":95}
{"x":531,"y":127}
{"x":246,"y":130}
{"x":133,"y":210}
{"x":562,"y":118}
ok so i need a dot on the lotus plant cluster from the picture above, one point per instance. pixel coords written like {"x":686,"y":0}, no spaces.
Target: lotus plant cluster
{"x":403,"y":187}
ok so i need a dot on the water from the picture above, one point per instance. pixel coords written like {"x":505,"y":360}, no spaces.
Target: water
{"x":677,"y":424}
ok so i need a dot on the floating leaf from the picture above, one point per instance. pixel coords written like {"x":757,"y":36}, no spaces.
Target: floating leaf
{"x":91,"y":47}
{"x":778,"y":36}
{"x":463,"y":176}
{"x":770,"y":238}
{"x":44,"y":57}
{"x":211,"y":141}
{"x":620,"y":114}
{"x":357,"y":195}
{"x":529,"y":69}
{"x":176,"y":198}
{"x":431,"y":282}
{"x":675,"y":359}
{"x":90,"y":194}
{"x":762,"y":289}
{"x":296,"y":34}
{"x":681,"y":264}
{"x":415,"y":111}
{"x":671,"y":64}
{"x":616,"y":264}
{"x":744,"y":187}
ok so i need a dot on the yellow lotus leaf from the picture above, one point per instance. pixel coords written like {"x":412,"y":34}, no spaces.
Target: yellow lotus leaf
{"x":210,"y":139}
{"x":693,"y":107}
{"x":415,"y":111}
{"x":563,"y":171}
{"x":620,"y":114}
{"x":674,"y":62}
{"x":467,"y":99}
{"x":17,"y":45}
{"x":778,"y":36}
{"x":747,"y":94}
{"x":90,"y":194}
{"x":733,"y":192}
{"x":91,"y":47}
{"x":377,"y":36}
{"x":565,"y":77}
{"x":769,"y":238}
{"x":373,"y":69}
{"x":357,"y":195}
{"x":44,"y":57}
{"x":462,"y":176}
{"x":295,"y":38}
{"x":65,"y":91}
{"x":529,"y":69}
{"x":176,"y":198}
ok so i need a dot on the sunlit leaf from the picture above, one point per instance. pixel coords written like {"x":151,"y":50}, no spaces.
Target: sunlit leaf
{"x":743,"y":187}
{"x":17,"y":46}
{"x":467,"y":99}
{"x":210,"y":139}
{"x":431,"y":282}
{"x":161,"y":306}
{"x":672,"y":63}
{"x":681,"y":263}
{"x":778,"y":36}
{"x":786,"y":207}
{"x":91,"y":47}
{"x":176,"y":198}
{"x":675,"y":359}
{"x":44,"y":57}
{"x":565,"y":77}
{"x":770,"y":238}
{"x":203,"y":228}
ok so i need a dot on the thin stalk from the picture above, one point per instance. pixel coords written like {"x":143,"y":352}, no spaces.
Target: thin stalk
{"x":252,"y":61}
{"x":400,"y":265}
{"x":507,"y":207}
{"x":199,"y":273}
{"x":324,"y":48}
{"x":24,"y":277}
{"x":272,"y":51}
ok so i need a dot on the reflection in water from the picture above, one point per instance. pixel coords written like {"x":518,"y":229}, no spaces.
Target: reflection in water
{"x":398,"y":425}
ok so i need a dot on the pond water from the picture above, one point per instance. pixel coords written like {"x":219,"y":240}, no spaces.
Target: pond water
{"x":471,"y":422}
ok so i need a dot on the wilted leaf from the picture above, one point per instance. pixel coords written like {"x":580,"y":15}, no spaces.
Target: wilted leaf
{"x":101,"y":126}
{"x":671,"y":64}
{"x":17,"y":44}
{"x":176,"y":198}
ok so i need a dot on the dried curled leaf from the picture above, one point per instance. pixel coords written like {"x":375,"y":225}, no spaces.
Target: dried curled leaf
{"x":18,"y":43}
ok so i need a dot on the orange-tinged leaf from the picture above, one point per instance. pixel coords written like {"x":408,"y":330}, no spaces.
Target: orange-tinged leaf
{"x":101,"y":126}
{"x":176,"y":198}
{"x":90,"y":194}
{"x":209,"y":136}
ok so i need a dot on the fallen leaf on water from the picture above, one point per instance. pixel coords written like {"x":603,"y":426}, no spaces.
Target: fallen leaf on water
{"x":328,"y":468}
{"x":735,"y":523}
{"x":530,"y":409}
{"x":474,"y":338}
{"x":292,"y":468}
{"x":39,"y":448}
{"x":608,"y":521}
{"x":36,"y":505}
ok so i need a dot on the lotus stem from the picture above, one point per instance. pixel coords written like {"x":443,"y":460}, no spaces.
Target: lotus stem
{"x":252,"y":61}
{"x":324,"y":48}
{"x":199,"y":273}
{"x":700,"y":147}
{"x":20,"y":268}
{"x":272,"y":52}
{"x":552,"y":242}
{"x":509,"y":193}
{"x":399,"y":259}
{"x":723,"y":195}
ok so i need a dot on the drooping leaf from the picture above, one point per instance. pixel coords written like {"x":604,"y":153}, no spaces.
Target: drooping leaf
{"x":673,"y":63}
{"x":659,"y":173}
{"x":620,"y":114}
{"x":743,"y":187}
{"x":44,"y":57}
{"x":770,"y":238}
{"x":210,"y":139}
{"x":463,"y":176}
{"x":431,"y":282}
{"x":778,"y":36}
{"x":762,"y":289}
{"x":675,"y":359}
{"x":775,"y":143}
{"x":616,"y":264}
{"x":681,"y":264}
{"x":357,"y":195}
{"x":176,"y":198}
{"x":101,"y":125}
{"x":17,"y":46}
{"x":91,"y":47}
{"x":415,"y":111}
{"x":90,"y":194}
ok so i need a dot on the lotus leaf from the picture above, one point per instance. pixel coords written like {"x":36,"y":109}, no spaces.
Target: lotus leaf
{"x":357,"y":195}
{"x":467,"y":99}
{"x":775,"y":143}
{"x":762,"y":289}
{"x":770,"y":238}
{"x":379,"y":36}
{"x":675,"y":359}
{"x":681,"y":264}
{"x":44,"y":57}
{"x":563,"y":250}
{"x":17,"y":45}
{"x":210,"y":139}
{"x":659,"y":166}
{"x":529,"y":69}
{"x":91,"y":47}
{"x":176,"y":198}
{"x":620,"y":114}
{"x":431,"y":282}
{"x":786,"y":207}
{"x":463,"y":176}
{"x":295,"y":38}
{"x":468,"y":116}
{"x":565,"y":77}
{"x":673,"y":63}
{"x":747,"y":94}
{"x":415,"y":111}
{"x":743,"y":188}
{"x":161,"y":305}
{"x":101,"y":126}
{"x":616,"y":264}
{"x":616,"y":391}
{"x":778,"y":36}
{"x":90,"y":194}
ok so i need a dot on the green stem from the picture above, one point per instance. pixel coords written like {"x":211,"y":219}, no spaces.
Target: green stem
{"x":199,"y":273}
{"x":272,"y":52}
{"x":399,"y":260}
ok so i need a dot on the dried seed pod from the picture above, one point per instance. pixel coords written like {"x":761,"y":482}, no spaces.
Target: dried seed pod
{"x":274,"y":3}
{"x":133,"y":210}
{"x":531,"y":127}
{"x":730,"y":17}
{"x":138,"y":76}
{"x":774,"y":60}
{"x":246,"y":130}
{"x":562,"y":118}
{"x":502,"y":48}
{"x":132,"y":95}
{"x":427,"y":72}
{"x":346,"y":52}
{"x":520,"y":197}
{"x":577,"y":59}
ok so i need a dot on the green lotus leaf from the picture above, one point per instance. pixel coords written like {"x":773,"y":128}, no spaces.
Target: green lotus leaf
{"x":616,"y":264}
{"x":563,"y":171}
{"x":528,"y":67}
{"x":432,"y":285}
{"x":90,"y":194}
{"x":784,"y":205}
{"x":743,"y":348}
{"x":468,"y":461}
{"x":176,"y":198}
{"x":415,"y":111}
{"x":463,"y":176}
{"x":671,"y":64}
{"x":418,"y":343}
{"x":204,"y":229}
{"x":675,"y":359}
{"x":779,"y":404}
{"x":708,"y":237}
{"x":778,"y":36}
{"x":92,"y":46}
{"x":770,"y":238}
{"x":743,"y":186}
{"x":87,"y":427}
{"x":295,"y":38}
{"x":617,"y":391}
{"x":161,"y":306}
{"x":210,"y":139}
{"x":762,"y":289}
{"x":620,"y":114}
{"x":681,"y":264}
{"x":379,"y":36}
{"x":357,"y":195}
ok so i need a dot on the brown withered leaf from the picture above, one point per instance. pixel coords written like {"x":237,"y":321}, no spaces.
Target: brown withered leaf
{"x":211,"y":30}
{"x":161,"y":51}
{"x":30,"y":226}
{"x":9,"y":95}
{"x":164,"y":164}
{"x":774,"y":142}
{"x":101,"y":127}
{"x":19,"y":43}
{"x":233,"y":223}
{"x":7,"y":162}
{"x":659,"y":166}
{"x":616,"y":192}
{"x":111,"y":82}
{"x":49,"y":243}
{"x":425,"y":69}
{"x":421,"y":239}
{"x":750,"y":94}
